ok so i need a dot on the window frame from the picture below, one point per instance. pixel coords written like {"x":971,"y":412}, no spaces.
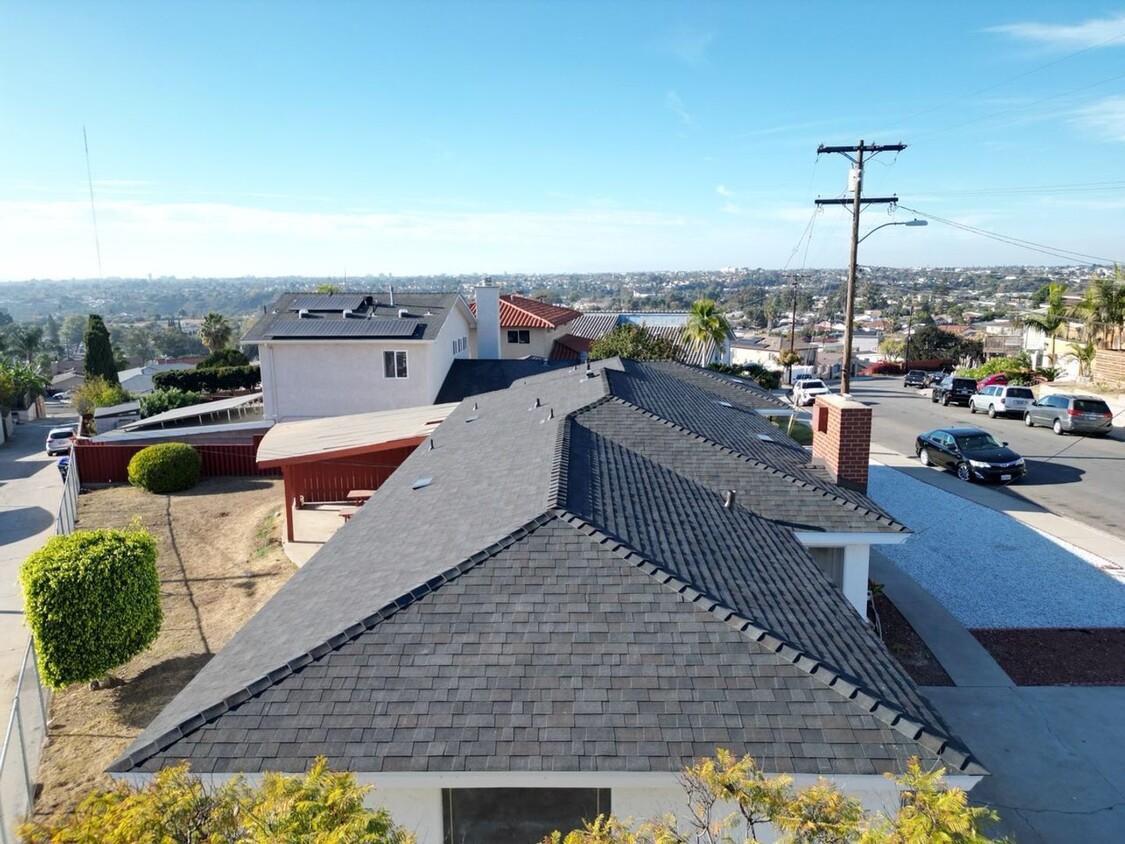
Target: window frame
{"x":522,"y":335}
{"x":392,"y":367}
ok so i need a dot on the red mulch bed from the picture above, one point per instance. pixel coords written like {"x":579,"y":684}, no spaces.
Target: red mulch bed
{"x":1058,"y":656}
{"x":907,"y":647}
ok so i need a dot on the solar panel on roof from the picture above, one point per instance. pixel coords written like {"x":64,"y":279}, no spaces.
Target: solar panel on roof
{"x":327,"y":302}
{"x":345,"y":328}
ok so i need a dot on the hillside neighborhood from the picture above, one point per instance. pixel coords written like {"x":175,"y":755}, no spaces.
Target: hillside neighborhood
{"x":583,"y":546}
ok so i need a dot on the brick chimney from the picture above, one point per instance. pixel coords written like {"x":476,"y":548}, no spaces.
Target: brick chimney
{"x":842,"y":439}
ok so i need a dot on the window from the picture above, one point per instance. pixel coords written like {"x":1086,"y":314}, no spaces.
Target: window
{"x":394,"y":364}
{"x":522,"y":336}
{"x":831,"y":562}
{"x":495,"y":815}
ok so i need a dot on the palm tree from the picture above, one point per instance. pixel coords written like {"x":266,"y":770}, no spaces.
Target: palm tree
{"x":1055,"y":318}
{"x":29,"y":340}
{"x":706,"y":324}
{"x":1084,"y":353}
{"x":215,"y":332}
{"x":1103,"y":310}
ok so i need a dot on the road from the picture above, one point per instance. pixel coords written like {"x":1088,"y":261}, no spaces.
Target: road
{"x":1072,"y":476}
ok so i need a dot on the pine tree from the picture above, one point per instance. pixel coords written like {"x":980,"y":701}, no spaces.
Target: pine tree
{"x":99,"y":351}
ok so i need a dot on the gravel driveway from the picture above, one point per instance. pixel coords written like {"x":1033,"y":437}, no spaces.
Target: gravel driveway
{"x":989,"y":570}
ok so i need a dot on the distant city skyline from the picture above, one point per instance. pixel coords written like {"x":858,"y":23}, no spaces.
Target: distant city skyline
{"x":332,"y":139}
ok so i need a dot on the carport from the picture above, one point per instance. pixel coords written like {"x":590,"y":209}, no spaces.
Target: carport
{"x":322,"y":460}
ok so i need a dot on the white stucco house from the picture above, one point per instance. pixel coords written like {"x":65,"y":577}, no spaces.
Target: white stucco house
{"x":343,"y":353}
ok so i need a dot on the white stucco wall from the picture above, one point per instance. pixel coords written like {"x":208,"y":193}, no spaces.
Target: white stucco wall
{"x":312,"y":379}
{"x":541,"y":341}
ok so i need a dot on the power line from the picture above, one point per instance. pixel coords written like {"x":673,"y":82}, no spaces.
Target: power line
{"x":93,"y":212}
{"x":1056,"y":252}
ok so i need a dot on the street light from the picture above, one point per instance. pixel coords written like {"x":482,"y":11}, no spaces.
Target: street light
{"x":846,"y":363}
{"x":914,"y":222}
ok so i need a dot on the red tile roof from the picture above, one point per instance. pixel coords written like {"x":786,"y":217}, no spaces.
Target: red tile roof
{"x":521,"y":312}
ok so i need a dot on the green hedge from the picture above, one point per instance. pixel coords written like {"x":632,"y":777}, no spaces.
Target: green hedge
{"x":92,"y":601}
{"x":223,"y":357}
{"x":159,"y":401}
{"x":209,"y":380}
{"x":167,"y":467}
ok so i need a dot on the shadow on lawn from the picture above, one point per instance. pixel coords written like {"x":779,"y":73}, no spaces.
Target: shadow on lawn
{"x":140,"y":700}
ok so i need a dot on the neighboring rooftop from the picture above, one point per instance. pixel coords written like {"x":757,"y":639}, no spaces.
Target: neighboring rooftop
{"x":669,"y":325}
{"x":559,"y":583}
{"x":521,"y":312}
{"x":353,"y":316}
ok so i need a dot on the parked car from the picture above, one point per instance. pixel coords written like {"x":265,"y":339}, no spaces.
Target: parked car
{"x":994,"y":378}
{"x":914,"y":378}
{"x":936,"y":377}
{"x":973,"y":454}
{"x":1067,"y":414}
{"x":806,"y":390}
{"x":59,"y":440}
{"x":1002,"y":400}
{"x":954,"y":390}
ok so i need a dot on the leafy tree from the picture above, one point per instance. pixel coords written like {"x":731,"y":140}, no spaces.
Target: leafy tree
{"x":99,"y":351}
{"x":892,"y":347}
{"x":1103,"y":310}
{"x":175,"y":343}
{"x":1055,"y":318}
{"x":92,"y":600}
{"x":635,"y":342}
{"x":1084,"y":353}
{"x":20,"y":382}
{"x":319,"y":807}
{"x":222,"y":358}
{"x":72,"y":331}
{"x":28,"y":340}
{"x":931,"y":343}
{"x":705,"y":324}
{"x":326,"y":287}
{"x":97,"y":392}
{"x":816,"y":814}
{"x":215,"y":332}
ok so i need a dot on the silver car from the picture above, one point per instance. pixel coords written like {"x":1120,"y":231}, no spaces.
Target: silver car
{"x":1001,"y":400}
{"x":1067,"y":414}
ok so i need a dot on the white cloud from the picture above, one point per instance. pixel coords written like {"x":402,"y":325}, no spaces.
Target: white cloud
{"x":724,"y":191}
{"x":675,"y":105}
{"x":1104,"y":119}
{"x":1091,"y":33}
{"x":734,"y":208}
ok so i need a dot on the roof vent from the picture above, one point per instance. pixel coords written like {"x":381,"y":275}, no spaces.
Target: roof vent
{"x":724,"y":404}
{"x":765,"y":438}
{"x":303,"y":313}
{"x":347,"y":312}
{"x":728,"y":498}
{"x":421,"y":482}
{"x":403,"y":313}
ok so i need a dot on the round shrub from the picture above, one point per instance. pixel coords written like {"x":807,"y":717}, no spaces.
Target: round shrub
{"x":92,"y":601}
{"x":167,"y":467}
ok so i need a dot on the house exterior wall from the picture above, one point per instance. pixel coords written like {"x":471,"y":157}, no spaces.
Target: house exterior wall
{"x":314,"y":379}
{"x":541,"y":341}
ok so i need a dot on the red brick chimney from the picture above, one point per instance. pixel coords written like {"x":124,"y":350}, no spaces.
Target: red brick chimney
{"x":842,"y":439}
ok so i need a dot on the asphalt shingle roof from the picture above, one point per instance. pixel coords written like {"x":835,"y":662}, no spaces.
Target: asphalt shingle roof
{"x":558,"y":598}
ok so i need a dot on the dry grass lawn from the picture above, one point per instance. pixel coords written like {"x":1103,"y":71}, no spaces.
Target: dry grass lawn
{"x":220,"y":560}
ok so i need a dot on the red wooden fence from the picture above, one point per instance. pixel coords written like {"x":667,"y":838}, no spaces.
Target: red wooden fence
{"x":100,"y":463}
{"x":333,"y":479}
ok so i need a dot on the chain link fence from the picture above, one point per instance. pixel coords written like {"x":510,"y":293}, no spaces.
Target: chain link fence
{"x":26,"y":726}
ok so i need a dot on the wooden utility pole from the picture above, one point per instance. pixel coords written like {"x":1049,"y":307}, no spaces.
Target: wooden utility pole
{"x":856,"y":202}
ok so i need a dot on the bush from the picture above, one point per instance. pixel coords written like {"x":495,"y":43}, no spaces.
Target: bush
{"x":884,"y":367}
{"x":766,"y":378}
{"x":223,"y":358}
{"x":92,"y":601}
{"x":160,"y":401}
{"x":209,"y":380}
{"x":167,"y":467}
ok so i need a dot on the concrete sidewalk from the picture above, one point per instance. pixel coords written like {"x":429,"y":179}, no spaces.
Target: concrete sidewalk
{"x":1054,"y":753}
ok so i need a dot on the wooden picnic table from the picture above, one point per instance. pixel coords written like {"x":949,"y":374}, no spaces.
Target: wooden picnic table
{"x":358,"y":496}
{"x":347,"y":512}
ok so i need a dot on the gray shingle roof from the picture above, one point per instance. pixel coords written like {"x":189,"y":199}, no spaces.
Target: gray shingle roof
{"x":558,"y":598}
{"x":373,"y":316}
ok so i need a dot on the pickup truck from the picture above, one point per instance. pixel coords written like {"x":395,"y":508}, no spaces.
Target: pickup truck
{"x":806,"y":390}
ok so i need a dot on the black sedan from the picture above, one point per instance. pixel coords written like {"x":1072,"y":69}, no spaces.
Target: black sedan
{"x":972,"y":453}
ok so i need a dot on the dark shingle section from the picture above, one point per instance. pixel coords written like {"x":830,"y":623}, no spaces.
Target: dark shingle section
{"x":338,"y":302}
{"x":693,"y":399}
{"x":552,"y":655}
{"x":425,"y":315}
{"x":473,"y":377}
{"x":353,"y":327}
{"x":741,"y":560}
{"x":772,"y":494}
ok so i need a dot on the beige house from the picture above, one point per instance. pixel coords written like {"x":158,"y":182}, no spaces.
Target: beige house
{"x":528,"y":327}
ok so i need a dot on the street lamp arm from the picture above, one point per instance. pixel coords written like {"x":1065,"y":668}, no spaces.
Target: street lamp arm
{"x":915,"y":222}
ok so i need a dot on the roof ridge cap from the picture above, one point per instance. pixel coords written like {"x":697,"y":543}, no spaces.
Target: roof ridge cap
{"x":753,"y":461}
{"x":193,"y":722}
{"x":846,"y":685}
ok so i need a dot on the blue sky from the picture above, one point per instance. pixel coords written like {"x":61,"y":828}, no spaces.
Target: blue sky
{"x":332,"y":138}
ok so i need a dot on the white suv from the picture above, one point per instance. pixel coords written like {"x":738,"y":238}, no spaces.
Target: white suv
{"x":1001,"y":400}
{"x":59,"y":440}
{"x":806,"y":390}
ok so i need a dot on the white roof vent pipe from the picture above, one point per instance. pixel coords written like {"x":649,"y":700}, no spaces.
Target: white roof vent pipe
{"x":347,"y":312}
{"x":403,"y":313}
{"x":303,"y":313}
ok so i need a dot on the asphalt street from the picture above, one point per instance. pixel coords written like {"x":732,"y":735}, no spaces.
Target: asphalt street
{"x":1072,"y":476}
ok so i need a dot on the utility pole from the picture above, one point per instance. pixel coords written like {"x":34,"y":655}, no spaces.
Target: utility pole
{"x":856,"y":202}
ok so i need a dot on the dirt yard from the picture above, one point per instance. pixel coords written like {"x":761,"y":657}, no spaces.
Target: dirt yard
{"x":220,"y":560}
